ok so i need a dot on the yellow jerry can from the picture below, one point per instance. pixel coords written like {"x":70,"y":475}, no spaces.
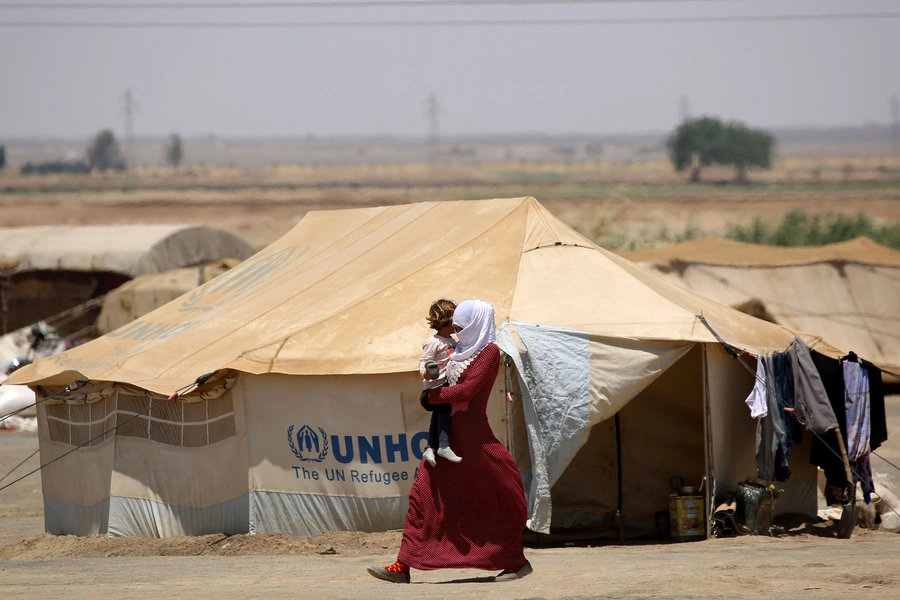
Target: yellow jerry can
{"x":687,"y":519}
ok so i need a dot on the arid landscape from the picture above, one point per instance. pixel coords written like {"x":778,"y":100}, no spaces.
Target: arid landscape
{"x":615,"y":203}
{"x":619,"y":204}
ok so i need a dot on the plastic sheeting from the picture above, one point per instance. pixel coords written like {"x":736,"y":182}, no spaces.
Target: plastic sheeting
{"x":119,"y":516}
{"x":306,"y":515}
{"x":68,"y":518}
{"x":571,"y":381}
{"x":16,"y":397}
{"x":146,"y":518}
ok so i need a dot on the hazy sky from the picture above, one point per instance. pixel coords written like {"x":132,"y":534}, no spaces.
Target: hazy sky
{"x":590,"y":78}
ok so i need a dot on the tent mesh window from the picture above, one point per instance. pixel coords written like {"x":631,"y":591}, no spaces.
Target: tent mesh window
{"x":189,"y":424}
{"x":78,"y":424}
{"x":127,"y":423}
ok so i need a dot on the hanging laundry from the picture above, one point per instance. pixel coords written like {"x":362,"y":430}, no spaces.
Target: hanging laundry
{"x":757,"y":398}
{"x":826,"y":451}
{"x":811,"y":400}
{"x":783,"y":377}
{"x":878,"y":433}
{"x":769,"y":428}
{"x":856,"y":404}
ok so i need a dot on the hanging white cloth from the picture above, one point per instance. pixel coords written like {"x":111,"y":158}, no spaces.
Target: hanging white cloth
{"x":757,"y":398}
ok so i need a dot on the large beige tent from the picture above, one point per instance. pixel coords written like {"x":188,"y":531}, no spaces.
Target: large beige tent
{"x":848,"y":293}
{"x":146,"y":293}
{"x":47,"y":270}
{"x":310,"y":421}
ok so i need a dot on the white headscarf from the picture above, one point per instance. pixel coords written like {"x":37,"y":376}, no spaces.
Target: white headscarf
{"x":476,"y":318}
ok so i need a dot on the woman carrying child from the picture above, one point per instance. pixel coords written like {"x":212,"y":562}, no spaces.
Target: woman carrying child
{"x":468,"y":515}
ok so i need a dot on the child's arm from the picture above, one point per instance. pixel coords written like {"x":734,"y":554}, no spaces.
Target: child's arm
{"x":470,"y":385}
{"x":429,"y":351}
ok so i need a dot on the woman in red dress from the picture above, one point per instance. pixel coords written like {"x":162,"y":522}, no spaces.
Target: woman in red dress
{"x":467,"y":515}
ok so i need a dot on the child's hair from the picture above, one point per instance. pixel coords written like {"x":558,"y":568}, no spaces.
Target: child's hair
{"x":441,"y":313}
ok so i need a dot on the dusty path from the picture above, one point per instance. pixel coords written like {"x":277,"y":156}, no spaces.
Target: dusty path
{"x":868,"y":566}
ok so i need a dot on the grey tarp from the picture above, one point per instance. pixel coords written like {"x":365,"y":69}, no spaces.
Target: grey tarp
{"x":571,"y":381}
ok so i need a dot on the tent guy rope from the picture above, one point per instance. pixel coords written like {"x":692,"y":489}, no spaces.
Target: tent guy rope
{"x":69,"y":388}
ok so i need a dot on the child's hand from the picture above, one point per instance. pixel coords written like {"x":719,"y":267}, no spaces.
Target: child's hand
{"x":433,"y":369}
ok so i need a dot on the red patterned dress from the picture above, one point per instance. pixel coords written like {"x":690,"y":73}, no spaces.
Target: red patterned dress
{"x":467,"y":515}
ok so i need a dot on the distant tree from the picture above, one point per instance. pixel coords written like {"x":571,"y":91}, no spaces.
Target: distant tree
{"x":174,"y":150}
{"x":2,"y":156}
{"x":698,"y":143}
{"x":744,"y":148}
{"x":694,"y":145}
{"x":104,"y":153}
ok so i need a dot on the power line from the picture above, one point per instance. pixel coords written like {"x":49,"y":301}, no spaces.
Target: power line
{"x":129,"y":106}
{"x":436,"y":23}
{"x":312,"y":4}
{"x":432,"y":113}
{"x":895,"y":126}
{"x":684,"y":107}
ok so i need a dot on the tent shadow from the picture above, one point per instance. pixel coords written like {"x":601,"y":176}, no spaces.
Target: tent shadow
{"x":824,"y":530}
{"x":793,"y":525}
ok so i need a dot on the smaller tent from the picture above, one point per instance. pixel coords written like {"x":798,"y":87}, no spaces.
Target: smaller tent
{"x":847,"y":293}
{"x":48,"y":270}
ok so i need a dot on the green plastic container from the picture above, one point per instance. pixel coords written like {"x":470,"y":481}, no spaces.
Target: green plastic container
{"x":755,"y":506}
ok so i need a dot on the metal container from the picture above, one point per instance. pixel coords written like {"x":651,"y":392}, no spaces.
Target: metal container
{"x":687,"y":519}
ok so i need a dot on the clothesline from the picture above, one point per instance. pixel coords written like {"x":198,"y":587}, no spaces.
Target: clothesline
{"x":780,"y":433}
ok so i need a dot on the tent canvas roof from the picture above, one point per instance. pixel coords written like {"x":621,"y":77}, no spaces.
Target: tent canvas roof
{"x":347,"y":291}
{"x":127,"y":249}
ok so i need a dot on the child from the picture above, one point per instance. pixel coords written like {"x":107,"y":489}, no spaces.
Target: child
{"x":436,"y":352}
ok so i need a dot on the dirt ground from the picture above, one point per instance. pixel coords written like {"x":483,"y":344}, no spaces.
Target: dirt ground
{"x":758,"y":567}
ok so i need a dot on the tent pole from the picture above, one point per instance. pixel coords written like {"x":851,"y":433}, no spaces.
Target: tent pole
{"x":4,"y":300}
{"x":847,"y":471}
{"x":619,"y":477}
{"x":709,"y":479}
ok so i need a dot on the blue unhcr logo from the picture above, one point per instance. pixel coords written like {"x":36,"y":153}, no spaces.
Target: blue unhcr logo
{"x":310,"y":446}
